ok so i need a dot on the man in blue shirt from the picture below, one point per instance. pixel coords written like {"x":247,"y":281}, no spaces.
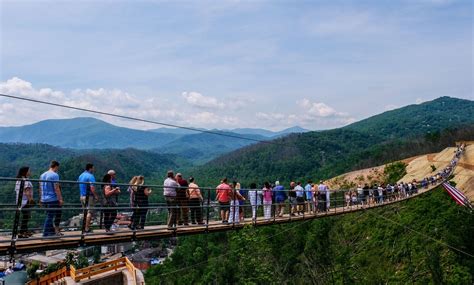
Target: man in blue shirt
{"x":86,"y":188}
{"x":51,"y":199}
{"x":308,"y":189}
{"x":280,"y":197}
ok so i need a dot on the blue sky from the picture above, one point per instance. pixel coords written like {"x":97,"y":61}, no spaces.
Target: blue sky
{"x":226,"y":64}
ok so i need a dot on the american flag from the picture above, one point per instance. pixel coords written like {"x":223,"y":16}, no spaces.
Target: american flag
{"x":457,"y":195}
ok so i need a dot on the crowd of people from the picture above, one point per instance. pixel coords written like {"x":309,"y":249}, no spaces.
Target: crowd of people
{"x":184,"y":199}
{"x":51,"y":199}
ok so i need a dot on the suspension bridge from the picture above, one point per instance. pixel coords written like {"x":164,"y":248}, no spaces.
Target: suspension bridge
{"x":72,"y":237}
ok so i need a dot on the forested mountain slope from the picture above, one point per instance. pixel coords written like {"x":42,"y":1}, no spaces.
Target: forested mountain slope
{"x":329,"y":153}
{"x":372,"y":247}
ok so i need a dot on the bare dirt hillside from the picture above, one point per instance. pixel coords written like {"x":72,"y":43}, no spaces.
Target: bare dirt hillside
{"x":418,"y":167}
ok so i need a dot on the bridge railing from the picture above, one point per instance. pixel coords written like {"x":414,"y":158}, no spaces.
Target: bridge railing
{"x":24,"y":220}
{"x":71,"y":213}
{"x":87,"y":273}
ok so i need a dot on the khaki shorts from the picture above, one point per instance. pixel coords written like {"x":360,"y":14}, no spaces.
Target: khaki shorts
{"x":90,"y":206}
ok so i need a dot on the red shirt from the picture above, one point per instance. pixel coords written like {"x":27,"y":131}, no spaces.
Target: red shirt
{"x":223,"y":192}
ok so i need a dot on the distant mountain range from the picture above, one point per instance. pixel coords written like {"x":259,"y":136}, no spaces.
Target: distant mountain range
{"x":91,"y":133}
{"x":396,"y":134}
{"x":240,"y":131}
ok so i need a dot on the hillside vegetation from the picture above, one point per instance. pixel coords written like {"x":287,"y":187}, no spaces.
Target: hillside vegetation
{"x":126,"y":162}
{"x":329,"y":153}
{"x":373,"y":247}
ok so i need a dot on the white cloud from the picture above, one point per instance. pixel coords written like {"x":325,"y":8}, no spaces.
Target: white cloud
{"x":312,"y":115}
{"x":390,"y":107}
{"x":419,"y":101}
{"x":15,"y":113}
{"x":114,"y":101}
{"x":317,"y":109}
{"x":198,"y":100}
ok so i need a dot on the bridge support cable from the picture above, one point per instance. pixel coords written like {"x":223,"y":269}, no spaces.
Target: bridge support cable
{"x":146,"y":121}
{"x":156,"y":224}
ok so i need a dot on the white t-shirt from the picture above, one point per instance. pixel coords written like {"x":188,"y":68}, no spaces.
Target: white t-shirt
{"x":28,"y":184}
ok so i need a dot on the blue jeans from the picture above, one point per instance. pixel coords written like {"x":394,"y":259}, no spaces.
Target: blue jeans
{"x":52,"y":213}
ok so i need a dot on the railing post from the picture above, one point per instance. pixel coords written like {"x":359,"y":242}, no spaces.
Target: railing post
{"x":208,"y":207}
{"x":274,"y":206}
{"x":17,"y":218}
{"x":256,"y":208}
{"x":233,"y":206}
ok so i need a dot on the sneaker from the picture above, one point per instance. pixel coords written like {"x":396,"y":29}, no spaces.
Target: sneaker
{"x":193,"y":223}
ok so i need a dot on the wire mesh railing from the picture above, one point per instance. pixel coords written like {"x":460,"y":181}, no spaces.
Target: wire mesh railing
{"x":28,"y":221}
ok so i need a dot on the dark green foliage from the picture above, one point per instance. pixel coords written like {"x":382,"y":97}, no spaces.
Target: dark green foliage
{"x":427,"y":119}
{"x":32,"y":268}
{"x":394,"y":172}
{"x":372,"y":247}
{"x":320,"y":155}
{"x":90,"y":133}
{"x":203,"y":147}
{"x":390,"y":136}
{"x":81,"y":262}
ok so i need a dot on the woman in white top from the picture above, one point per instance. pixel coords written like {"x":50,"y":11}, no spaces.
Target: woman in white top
{"x":255,"y":197}
{"x":26,"y":200}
